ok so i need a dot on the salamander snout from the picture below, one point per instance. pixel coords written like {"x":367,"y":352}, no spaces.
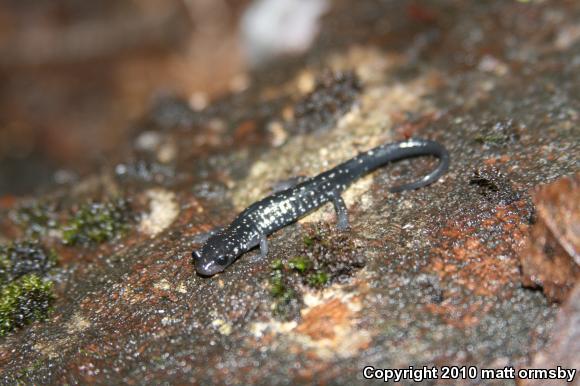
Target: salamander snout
{"x":205,"y":266}
{"x":208,"y":269}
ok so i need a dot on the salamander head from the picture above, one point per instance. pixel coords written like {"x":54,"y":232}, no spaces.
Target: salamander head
{"x":214,"y":256}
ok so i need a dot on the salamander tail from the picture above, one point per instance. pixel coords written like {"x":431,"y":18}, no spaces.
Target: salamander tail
{"x":421,"y":147}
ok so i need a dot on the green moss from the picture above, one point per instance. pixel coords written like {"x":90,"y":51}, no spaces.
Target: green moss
{"x":277,"y":265}
{"x":495,"y":139}
{"x":286,"y":300}
{"x":95,"y":223}
{"x":325,"y":256}
{"x":24,"y":300}
{"x":24,"y":294}
{"x":277,"y":288}
{"x":300,"y":264}
{"x":280,"y":290}
{"x":36,"y":218}
{"x":318,"y":279}
{"x":308,"y":241}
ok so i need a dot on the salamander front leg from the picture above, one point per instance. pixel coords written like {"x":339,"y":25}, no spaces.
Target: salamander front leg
{"x":262,"y":242}
{"x":341,"y":211}
{"x":287,"y":184}
{"x":263,"y":246}
{"x":201,"y":238}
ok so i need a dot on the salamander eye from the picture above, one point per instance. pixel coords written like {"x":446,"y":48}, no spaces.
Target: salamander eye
{"x":196,"y":255}
{"x":222,"y":260}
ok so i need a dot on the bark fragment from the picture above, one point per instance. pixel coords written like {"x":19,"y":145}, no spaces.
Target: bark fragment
{"x":551,"y":258}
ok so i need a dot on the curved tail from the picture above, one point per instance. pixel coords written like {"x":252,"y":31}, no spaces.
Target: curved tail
{"x":368,"y":161}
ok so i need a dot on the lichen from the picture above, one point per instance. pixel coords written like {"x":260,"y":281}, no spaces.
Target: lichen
{"x":24,"y":300}
{"x":97,"y":222}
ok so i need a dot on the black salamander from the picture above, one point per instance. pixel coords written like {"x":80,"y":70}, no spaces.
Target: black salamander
{"x":266,"y":216}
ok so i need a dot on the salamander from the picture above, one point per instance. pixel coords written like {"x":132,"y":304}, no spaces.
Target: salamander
{"x":252,"y":226}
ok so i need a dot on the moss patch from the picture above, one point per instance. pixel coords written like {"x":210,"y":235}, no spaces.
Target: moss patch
{"x":325,"y":256}
{"x":498,"y":133}
{"x":331,"y":256}
{"x":97,"y":222}
{"x":300,"y":264}
{"x":24,"y":300}
{"x":287,"y":300}
{"x":491,"y":138}
{"x":318,"y":279}
{"x":25,"y":293}
{"x":36,"y":219}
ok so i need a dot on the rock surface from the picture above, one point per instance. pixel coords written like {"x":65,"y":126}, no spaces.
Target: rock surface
{"x":440,"y":283}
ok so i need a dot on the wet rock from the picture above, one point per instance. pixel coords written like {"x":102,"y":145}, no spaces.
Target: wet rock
{"x":168,"y":114}
{"x":145,"y":170}
{"x":22,"y":258}
{"x":441,"y":282}
{"x":494,"y":186}
{"x":334,"y":95}
{"x":551,"y":258}
{"x":477,"y":256}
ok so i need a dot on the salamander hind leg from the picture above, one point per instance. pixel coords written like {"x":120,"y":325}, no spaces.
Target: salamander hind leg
{"x":341,"y":211}
{"x":287,"y":184}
